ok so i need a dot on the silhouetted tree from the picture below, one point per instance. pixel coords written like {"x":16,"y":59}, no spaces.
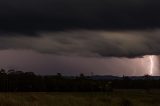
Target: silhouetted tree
{"x":59,"y":75}
{"x":82,"y":75}
{"x":11,"y":71}
{"x":2,"y":71}
{"x":14,"y":80}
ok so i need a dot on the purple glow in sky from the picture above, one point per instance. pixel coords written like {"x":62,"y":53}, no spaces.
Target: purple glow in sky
{"x":50,"y":64}
{"x":105,"y":37}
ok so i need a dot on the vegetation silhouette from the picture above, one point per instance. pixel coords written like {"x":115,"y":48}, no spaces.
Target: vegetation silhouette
{"x":14,"y":81}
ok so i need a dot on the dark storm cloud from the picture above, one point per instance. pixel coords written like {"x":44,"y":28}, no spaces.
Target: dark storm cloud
{"x":28,"y":16}
{"x":120,"y":28}
{"x":88,"y":43}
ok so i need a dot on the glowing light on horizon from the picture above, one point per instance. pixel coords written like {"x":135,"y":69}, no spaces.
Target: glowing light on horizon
{"x":151,"y":65}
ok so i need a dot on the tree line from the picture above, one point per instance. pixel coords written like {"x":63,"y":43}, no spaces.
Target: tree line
{"x":14,"y":81}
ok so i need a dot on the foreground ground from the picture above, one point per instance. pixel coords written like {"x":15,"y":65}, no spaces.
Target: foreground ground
{"x":116,"y":98}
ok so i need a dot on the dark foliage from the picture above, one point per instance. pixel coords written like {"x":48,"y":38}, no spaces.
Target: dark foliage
{"x":13,"y":80}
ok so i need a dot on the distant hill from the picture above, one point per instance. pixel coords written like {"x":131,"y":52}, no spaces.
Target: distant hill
{"x":110,"y":77}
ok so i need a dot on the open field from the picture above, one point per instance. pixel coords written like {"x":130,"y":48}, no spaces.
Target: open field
{"x":116,"y":98}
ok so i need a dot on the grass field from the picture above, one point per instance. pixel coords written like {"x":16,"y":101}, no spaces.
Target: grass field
{"x":117,"y":98}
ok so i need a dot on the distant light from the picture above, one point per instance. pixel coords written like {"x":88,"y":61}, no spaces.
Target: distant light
{"x":151,"y":65}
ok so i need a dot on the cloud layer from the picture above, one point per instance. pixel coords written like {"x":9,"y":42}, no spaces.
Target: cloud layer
{"x":88,"y":43}
{"x":120,"y":28}
{"x":28,"y":16}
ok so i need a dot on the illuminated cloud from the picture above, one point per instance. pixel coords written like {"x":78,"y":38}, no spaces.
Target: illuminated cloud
{"x":88,"y":43}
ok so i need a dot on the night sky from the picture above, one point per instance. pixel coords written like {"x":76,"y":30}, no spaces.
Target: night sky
{"x":104,"y":37}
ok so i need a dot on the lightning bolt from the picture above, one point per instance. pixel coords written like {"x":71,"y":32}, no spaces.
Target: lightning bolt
{"x":151,"y":65}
